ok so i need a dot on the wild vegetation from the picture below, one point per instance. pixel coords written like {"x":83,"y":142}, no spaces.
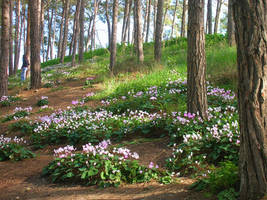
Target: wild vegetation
{"x":147,"y":101}
{"x":169,"y":111}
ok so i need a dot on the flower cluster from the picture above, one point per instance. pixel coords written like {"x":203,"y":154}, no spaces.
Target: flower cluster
{"x":226,"y":95}
{"x":18,"y":113}
{"x":7,"y":100}
{"x":7,"y":140}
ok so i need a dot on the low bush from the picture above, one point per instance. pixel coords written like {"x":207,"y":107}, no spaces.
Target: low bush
{"x":223,"y":181}
{"x":13,"y":149}
{"x":98,"y":165}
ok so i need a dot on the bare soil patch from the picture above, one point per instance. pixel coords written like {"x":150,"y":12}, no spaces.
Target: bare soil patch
{"x":22,"y":180}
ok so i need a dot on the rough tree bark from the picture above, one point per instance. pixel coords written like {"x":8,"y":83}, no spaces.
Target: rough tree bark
{"x":54,"y":32}
{"x":230,"y":24}
{"x":61,"y":34}
{"x":89,"y":34}
{"x":81,"y":40}
{"x":145,"y":19}
{"x":209,"y":17}
{"x":125,"y":18}
{"x":35,"y":10}
{"x":158,"y":31}
{"x":17,"y":37}
{"x":11,"y":66}
{"x":129,"y":21}
{"x":4,"y":60}
{"x":76,"y":32}
{"x":108,"y":22}
{"x":66,"y":30}
{"x":94,"y":25}
{"x":217,"y":16}
{"x":155,"y":5}
{"x":42,"y":28}
{"x":27,"y":51}
{"x":139,"y":39}
{"x":196,"y":60}
{"x":183,"y":18}
{"x":50,"y":22}
{"x":113,"y":49}
{"x":251,"y":27}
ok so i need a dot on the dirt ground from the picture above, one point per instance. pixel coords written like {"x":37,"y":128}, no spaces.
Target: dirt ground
{"x":22,"y":180}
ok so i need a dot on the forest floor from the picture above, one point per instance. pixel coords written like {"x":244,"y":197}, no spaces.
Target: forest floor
{"x":22,"y":180}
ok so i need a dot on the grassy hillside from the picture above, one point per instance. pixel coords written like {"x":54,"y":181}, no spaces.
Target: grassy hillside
{"x":136,"y":105}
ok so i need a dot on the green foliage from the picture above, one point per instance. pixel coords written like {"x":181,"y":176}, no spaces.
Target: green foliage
{"x":48,"y":85}
{"x":100,"y":167}
{"x":12,"y":149}
{"x":87,"y":55}
{"x":18,"y":114}
{"x":23,"y":126}
{"x":223,"y":181}
{"x":43,"y":101}
{"x":8,"y":100}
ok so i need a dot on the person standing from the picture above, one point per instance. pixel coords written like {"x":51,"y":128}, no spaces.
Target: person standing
{"x":24,"y":67}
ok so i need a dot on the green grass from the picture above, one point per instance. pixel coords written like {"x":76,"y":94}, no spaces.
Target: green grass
{"x":129,"y":74}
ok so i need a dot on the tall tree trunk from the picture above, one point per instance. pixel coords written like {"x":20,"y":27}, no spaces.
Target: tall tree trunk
{"x":60,"y":40}
{"x":139,"y":39}
{"x":174,"y":16}
{"x":183,"y":18}
{"x":158,"y":31}
{"x":155,"y":17}
{"x":5,"y":26}
{"x":11,"y":65}
{"x":196,"y":60}
{"x":81,"y":40}
{"x":230,"y":24}
{"x":113,"y":47}
{"x":145,"y":18}
{"x":35,"y":10}
{"x":125,"y":17}
{"x":42,"y":29}
{"x":66,"y":30}
{"x":251,"y":26}
{"x":28,"y":42}
{"x":209,"y":17}
{"x":50,"y":22}
{"x":89,"y":34}
{"x":54,"y":33}
{"x":217,"y":17}
{"x":93,"y":44}
{"x":148,"y":20}
{"x":76,"y":32}
{"x":17,"y":37}
{"x":129,"y":22}
{"x":108,"y":23}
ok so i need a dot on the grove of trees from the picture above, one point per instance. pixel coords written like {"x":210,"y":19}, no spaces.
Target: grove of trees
{"x":47,"y":29}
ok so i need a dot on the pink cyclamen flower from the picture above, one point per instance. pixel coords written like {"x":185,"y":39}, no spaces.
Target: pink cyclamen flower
{"x":75,"y":102}
{"x":153,"y":98}
{"x":151,"y":165}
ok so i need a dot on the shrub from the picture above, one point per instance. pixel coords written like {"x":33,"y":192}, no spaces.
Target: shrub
{"x":43,"y":101}
{"x":223,"y":181}
{"x":12,"y":149}
{"x":18,"y":113}
{"x":7,"y":100}
{"x":96,"y":165}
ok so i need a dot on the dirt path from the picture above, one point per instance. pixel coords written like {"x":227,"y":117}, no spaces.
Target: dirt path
{"x":21,"y":180}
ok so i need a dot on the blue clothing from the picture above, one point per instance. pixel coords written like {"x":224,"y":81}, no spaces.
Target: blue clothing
{"x":23,"y":73}
{"x":25,"y":62}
